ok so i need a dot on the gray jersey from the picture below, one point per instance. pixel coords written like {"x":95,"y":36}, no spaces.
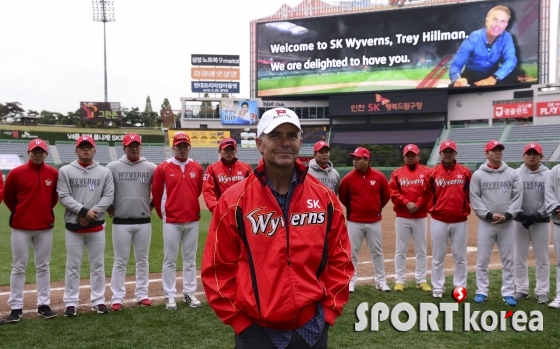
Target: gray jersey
{"x":133,"y":183}
{"x":495,"y":191}
{"x":533,"y":190}
{"x":552,"y":193}
{"x":82,"y":188}
{"x":328,"y":176}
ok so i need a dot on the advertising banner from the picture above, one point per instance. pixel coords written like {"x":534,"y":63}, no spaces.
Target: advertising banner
{"x":214,"y":87}
{"x":513,"y":110}
{"x":100,"y":111}
{"x":389,"y":103}
{"x":215,"y":60}
{"x":548,"y":108}
{"x":412,"y":48}
{"x":53,"y":137}
{"x":202,"y":139}
{"x":215,"y":73}
{"x":242,"y":112}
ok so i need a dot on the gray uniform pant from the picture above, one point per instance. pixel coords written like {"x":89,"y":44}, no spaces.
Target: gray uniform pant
{"x":175,"y":235}
{"x":538,"y":235}
{"x":454,"y":234}
{"x":372,"y":233}
{"x":404,"y":229}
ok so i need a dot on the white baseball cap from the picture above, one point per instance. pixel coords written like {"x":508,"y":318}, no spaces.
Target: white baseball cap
{"x":275,"y":117}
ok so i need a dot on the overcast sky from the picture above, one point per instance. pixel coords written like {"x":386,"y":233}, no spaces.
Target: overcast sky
{"x":52,"y":50}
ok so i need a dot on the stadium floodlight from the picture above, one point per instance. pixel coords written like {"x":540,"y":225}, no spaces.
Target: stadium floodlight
{"x":104,"y":11}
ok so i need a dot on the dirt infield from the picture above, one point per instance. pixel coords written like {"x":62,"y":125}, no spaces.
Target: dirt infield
{"x":365,"y":272}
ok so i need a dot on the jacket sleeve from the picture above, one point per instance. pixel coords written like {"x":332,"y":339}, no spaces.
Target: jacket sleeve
{"x":107,"y":196}
{"x":337,"y":186}
{"x":339,"y":268}
{"x":516,"y":195}
{"x":385,"y":191}
{"x":475,"y":196}
{"x":65,"y":194}
{"x":219,"y":267}
{"x":551,"y":191}
{"x":208,"y":189}
{"x":157,"y":188}
{"x":397,"y":198}
{"x":8,"y":192}
{"x":54,"y":198}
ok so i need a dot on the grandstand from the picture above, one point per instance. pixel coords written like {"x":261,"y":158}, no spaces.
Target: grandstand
{"x":19,"y":147}
{"x":153,"y":152}
{"x":475,"y":134}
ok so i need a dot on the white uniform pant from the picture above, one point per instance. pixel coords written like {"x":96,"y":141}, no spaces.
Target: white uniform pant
{"x":502,"y":235}
{"x":95,"y":244}
{"x":556,"y":238}
{"x":404,"y":229}
{"x":21,"y":241}
{"x":372,"y":233}
{"x":174,"y":235}
{"x":538,"y":235}
{"x":454,"y":234}
{"x":139,"y":235}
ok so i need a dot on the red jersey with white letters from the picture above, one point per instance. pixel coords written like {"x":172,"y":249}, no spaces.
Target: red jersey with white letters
{"x":364,"y":194}
{"x":450,"y":193}
{"x":219,"y":177}
{"x":175,"y":190}
{"x":410,"y":185}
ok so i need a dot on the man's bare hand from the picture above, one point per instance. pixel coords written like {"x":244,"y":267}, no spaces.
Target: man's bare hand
{"x":111,"y":211}
{"x":498,"y":218}
{"x":490,"y":81}
{"x":411,"y":207}
{"x":91,"y":215}
{"x":461,"y":82}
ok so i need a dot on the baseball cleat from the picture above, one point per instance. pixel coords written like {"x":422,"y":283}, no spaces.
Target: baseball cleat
{"x":519,"y":296}
{"x":555,"y":304}
{"x":170,"y":304}
{"x":424,"y":286}
{"x":437,"y":294}
{"x":383,"y":287}
{"x":480,"y":298}
{"x":399,"y":286}
{"x":15,"y":315}
{"x":70,"y":311}
{"x":191,"y":300}
{"x":542,"y":299}
{"x":116,"y":307}
{"x":146,"y":302}
{"x":46,"y":312}
{"x":510,"y":301}
{"x":100,"y":309}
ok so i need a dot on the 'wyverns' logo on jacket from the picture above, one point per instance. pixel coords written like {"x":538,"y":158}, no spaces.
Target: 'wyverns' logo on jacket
{"x":440,"y":182}
{"x":133,"y":176}
{"x":90,"y":183}
{"x":503,"y":186}
{"x":404,"y":182}
{"x":268,"y":224}
{"x":533,"y":185}
{"x":224,"y":179}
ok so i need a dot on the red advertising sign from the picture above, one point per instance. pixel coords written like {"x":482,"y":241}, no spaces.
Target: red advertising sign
{"x":513,"y":110}
{"x":548,"y":108}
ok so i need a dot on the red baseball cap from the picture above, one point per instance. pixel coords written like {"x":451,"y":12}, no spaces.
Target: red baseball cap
{"x":85,"y":139}
{"x":181,"y":137}
{"x":320,"y":145}
{"x":228,"y":142}
{"x":493,"y":144}
{"x":361,"y":153}
{"x":533,"y":146}
{"x":131,"y":137}
{"x":37,"y":143}
{"x":448,"y":144}
{"x":411,"y":147}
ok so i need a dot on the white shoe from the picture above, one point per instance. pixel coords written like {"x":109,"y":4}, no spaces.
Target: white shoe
{"x":555,"y":303}
{"x":191,"y":300}
{"x":383,"y":288}
{"x":437,"y":294}
{"x":352,"y":286}
{"x":170,"y":304}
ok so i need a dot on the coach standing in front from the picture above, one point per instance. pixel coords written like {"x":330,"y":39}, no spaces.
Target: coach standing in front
{"x":131,"y":212}
{"x":30,"y":195}
{"x":365,"y":191}
{"x":409,"y":194}
{"x":175,"y":190}
{"x":449,"y":207}
{"x":496,"y":194}
{"x":86,"y":190}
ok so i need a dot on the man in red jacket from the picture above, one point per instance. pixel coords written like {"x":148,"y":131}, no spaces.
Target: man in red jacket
{"x":176,"y":187}
{"x":276,"y":265}
{"x":449,"y":208}
{"x":224,"y":173}
{"x":30,"y":194}
{"x":364,"y":191}
{"x":409,"y":193}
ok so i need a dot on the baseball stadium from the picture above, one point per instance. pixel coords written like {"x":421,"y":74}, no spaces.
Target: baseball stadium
{"x":359,"y":74}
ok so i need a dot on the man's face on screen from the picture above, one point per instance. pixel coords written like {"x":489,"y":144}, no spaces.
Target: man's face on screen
{"x":496,"y":22}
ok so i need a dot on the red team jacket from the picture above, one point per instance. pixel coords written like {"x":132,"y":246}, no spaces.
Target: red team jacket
{"x":408,"y":185}
{"x":261,"y":267}
{"x":175,"y":192}
{"x":30,"y":194}
{"x":450,"y":188}
{"x":364,"y":195}
{"x":219,"y":177}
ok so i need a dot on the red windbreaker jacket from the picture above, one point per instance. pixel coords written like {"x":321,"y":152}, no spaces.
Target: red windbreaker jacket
{"x":450,"y":193}
{"x":219,"y":177}
{"x":175,"y":190}
{"x":262,"y":267}
{"x":30,"y":194}
{"x":364,"y":195}
{"x":408,"y":185}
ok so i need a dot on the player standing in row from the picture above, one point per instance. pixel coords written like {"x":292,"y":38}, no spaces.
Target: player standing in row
{"x":552,"y":204}
{"x":496,"y":194}
{"x":224,"y":173}
{"x":365,"y":191}
{"x":449,"y":208}
{"x":532,"y":226}
{"x":176,"y":187}
{"x":86,"y":190}
{"x":30,"y":195}
{"x":322,"y":169}
{"x":131,"y":212}
{"x":410,"y":195}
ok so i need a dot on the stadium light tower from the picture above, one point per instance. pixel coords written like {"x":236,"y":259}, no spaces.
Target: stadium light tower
{"x":103,"y":11}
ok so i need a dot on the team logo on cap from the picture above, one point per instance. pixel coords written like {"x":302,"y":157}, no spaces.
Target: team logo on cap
{"x":38,"y":142}
{"x":132,"y":137}
{"x":447,"y":144}
{"x":533,"y":145}
{"x":357,"y":149}
{"x":281,"y":112}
